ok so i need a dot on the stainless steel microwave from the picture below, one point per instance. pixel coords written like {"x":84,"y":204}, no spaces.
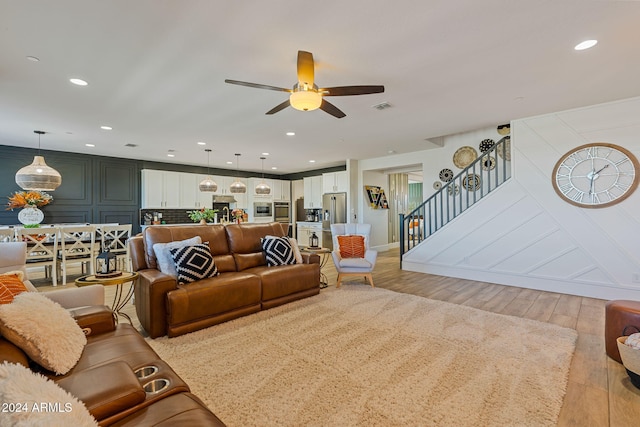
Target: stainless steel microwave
{"x":262,"y":209}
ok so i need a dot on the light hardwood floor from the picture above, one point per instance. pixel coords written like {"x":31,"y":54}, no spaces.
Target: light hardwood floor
{"x":599,"y":392}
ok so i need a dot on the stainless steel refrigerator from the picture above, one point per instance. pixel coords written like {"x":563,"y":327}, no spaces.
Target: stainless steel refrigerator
{"x":334,"y":211}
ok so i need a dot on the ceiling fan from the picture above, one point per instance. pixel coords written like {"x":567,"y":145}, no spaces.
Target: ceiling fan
{"x":306,"y":96}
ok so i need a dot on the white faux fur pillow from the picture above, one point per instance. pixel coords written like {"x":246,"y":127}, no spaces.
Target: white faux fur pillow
{"x":44,"y":330}
{"x":30,"y":399}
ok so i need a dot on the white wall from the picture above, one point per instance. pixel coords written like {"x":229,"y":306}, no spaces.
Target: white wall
{"x":378,"y":218}
{"x":524,"y":235}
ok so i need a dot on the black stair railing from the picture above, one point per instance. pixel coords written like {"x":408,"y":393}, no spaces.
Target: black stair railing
{"x":490,"y":170}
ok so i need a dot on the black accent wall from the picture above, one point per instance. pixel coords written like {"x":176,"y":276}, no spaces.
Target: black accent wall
{"x":97,"y":189}
{"x":94,"y":189}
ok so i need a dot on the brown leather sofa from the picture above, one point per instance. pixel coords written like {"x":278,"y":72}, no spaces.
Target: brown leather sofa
{"x":245,"y":284}
{"x":105,"y":378}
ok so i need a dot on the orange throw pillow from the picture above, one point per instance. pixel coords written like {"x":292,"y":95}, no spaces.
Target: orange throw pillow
{"x":10,"y":286}
{"x":351,"y":246}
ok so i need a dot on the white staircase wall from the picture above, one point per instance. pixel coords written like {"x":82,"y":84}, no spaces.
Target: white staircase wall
{"x":524,"y":235}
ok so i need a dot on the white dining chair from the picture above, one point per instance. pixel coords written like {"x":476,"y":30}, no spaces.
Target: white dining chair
{"x":116,"y":238}
{"x":7,"y":234}
{"x":77,"y":246}
{"x":42,"y":249}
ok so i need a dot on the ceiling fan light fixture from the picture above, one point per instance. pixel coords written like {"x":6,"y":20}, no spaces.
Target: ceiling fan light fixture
{"x":38,"y":175}
{"x":208,"y":184}
{"x":305,"y":100}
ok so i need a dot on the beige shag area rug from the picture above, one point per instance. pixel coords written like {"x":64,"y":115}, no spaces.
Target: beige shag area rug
{"x":359,"y":356}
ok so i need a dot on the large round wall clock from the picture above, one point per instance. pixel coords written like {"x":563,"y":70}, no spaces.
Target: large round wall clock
{"x":596,"y":175}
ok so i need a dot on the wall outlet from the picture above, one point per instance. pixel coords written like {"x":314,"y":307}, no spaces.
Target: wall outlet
{"x":635,"y":277}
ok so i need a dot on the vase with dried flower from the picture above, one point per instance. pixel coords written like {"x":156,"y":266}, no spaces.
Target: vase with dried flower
{"x":30,"y":202}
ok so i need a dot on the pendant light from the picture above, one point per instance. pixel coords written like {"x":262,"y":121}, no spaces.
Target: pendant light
{"x":37,"y":175}
{"x":263,"y":188}
{"x":237,"y":186}
{"x":208,"y":184}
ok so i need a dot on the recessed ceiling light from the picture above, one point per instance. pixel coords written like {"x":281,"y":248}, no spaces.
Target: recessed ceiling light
{"x":202,"y":143}
{"x":89,"y":145}
{"x":291,"y":133}
{"x":312,"y":161}
{"x":171,"y":155}
{"x":265,"y":154}
{"x":229,"y":163}
{"x":391,"y":152}
{"x":274,"y":167}
{"x":106,"y":128}
{"x":586,"y":44}
{"x":78,"y":82}
{"x":33,"y":58}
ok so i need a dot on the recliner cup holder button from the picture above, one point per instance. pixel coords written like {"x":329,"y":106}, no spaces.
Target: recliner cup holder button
{"x":146,"y":371}
{"x":156,"y":386}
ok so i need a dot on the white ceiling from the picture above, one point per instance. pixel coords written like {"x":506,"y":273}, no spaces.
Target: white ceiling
{"x":156,"y":71}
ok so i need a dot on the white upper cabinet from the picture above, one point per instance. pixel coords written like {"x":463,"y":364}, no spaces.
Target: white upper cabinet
{"x":160,"y":189}
{"x":313,"y":192}
{"x":335,"y":182}
{"x":180,"y":190}
{"x":281,"y":190}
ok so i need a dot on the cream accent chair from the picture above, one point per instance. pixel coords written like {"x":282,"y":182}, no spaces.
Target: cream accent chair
{"x":353,"y":266}
{"x":13,"y":256}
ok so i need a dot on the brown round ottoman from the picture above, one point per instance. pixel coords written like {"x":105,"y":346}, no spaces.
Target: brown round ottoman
{"x":618,"y":315}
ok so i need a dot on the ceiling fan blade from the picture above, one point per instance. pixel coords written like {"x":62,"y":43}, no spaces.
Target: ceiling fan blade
{"x":328,"y":107}
{"x":257,"y":85}
{"x":305,"y":68}
{"x":350,"y":90}
{"x":279,"y":107}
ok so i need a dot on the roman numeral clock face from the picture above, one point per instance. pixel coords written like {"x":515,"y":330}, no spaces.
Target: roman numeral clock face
{"x":596,"y":175}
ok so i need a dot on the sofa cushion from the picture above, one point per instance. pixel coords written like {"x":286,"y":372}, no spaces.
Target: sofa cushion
{"x":278,"y":251}
{"x":38,"y":401}
{"x":10,"y":286}
{"x":193,"y":263}
{"x":296,"y":250}
{"x":245,"y":242}
{"x":44,"y":330}
{"x":351,"y":246}
{"x":165,"y":261}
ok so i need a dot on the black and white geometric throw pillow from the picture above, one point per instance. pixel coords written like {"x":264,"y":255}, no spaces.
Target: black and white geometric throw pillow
{"x":193,"y":263}
{"x":278,"y":251}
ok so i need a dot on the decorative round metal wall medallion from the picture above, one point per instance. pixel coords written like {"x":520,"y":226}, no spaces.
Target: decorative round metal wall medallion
{"x":446,"y":175}
{"x":488,"y":163}
{"x":437,"y":185}
{"x":504,"y":129}
{"x":453,"y":189}
{"x":486,"y":144}
{"x":471,"y":182}
{"x":504,"y":151}
{"x":464,"y":156}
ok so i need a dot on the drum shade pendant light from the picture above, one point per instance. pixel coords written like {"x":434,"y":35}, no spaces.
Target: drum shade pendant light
{"x":263,"y":188}
{"x":237,"y":186}
{"x":208,"y":184}
{"x":38,"y":175}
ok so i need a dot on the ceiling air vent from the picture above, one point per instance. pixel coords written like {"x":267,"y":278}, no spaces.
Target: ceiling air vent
{"x":131,"y":145}
{"x":382,"y":106}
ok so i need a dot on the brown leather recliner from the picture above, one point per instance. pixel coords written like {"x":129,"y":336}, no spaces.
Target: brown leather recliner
{"x":245,"y":284}
{"x":104,"y":378}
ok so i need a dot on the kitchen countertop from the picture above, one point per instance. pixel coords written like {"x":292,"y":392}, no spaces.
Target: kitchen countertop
{"x":308,"y":222}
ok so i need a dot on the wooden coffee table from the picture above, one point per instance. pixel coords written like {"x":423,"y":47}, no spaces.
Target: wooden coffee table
{"x":119,"y":299}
